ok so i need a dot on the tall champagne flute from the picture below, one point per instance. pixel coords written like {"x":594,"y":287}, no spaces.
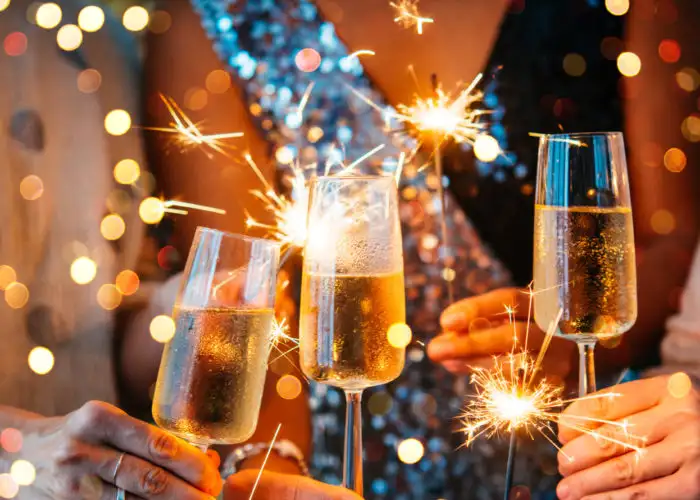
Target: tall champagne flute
{"x":584,"y":262}
{"x":352,"y":295}
{"x":212,"y":373}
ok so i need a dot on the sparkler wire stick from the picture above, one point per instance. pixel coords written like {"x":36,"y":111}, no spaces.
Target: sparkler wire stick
{"x":512,"y":448}
{"x":262,"y":468}
{"x":447,"y":258}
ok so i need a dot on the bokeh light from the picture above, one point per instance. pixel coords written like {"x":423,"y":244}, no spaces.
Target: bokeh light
{"x":89,"y":81}
{"x":31,"y":187}
{"x":617,"y":7}
{"x":288,"y":387}
{"x":675,"y":160}
{"x":16,"y":295}
{"x":48,"y":15}
{"x":196,"y":98}
{"x":162,"y":328}
{"x":307,"y":60}
{"x":69,"y":37}
{"x":135,"y":18}
{"x":151,"y":210}
{"x":160,"y":22}
{"x":218,"y":81}
{"x":691,"y":128}
{"x":112,"y":227}
{"x":8,"y":487}
{"x":91,"y":18}
{"x":11,"y":440}
{"x":23,"y":472}
{"x":663,"y":222}
{"x":669,"y":51}
{"x":127,"y":282}
{"x":410,"y":451}
{"x":688,"y":79}
{"x":41,"y":360}
{"x":127,"y":171}
{"x":117,"y":122}
{"x":4,"y":4}
{"x":284,"y":155}
{"x":315,"y":134}
{"x":15,"y":44}
{"x":679,"y":385}
{"x":486,"y":148}
{"x":7,"y":276}
{"x":629,"y":64}
{"x":574,"y":64}
{"x":83,"y":270}
{"x":399,"y":335}
{"x":108,"y":297}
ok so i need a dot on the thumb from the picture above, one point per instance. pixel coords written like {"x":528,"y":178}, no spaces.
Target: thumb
{"x":274,"y":486}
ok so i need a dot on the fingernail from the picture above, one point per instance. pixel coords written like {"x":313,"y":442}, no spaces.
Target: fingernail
{"x":456,"y":319}
{"x":563,"y":491}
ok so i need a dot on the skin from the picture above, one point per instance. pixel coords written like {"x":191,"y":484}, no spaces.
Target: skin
{"x":667,"y":469}
{"x":663,"y":261}
{"x":78,"y":453}
{"x":274,"y":486}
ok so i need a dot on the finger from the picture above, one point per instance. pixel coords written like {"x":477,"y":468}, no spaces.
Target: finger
{"x":666,"y":488}
{"x":659,"y":460}
{"x":457,"y":366}
{"x":109,"y":492}
{"x":613,"y":404}
{"x":141,"y":478}
{"x":491,"y":342}
{"x":215,"y":458}
{"x":614,"y":439}
{"x":283,"y":487}
{"x":100,"y":422}
{"x":459,"y":315}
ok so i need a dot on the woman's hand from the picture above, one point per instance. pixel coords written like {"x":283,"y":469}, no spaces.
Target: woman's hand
{"x":282,"y":487}
{"x":665,"y":412}
{"x":478,"y":328}
{"x":80,"y":454}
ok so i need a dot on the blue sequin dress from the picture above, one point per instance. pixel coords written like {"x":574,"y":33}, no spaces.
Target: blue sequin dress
{"x":527,"y":91}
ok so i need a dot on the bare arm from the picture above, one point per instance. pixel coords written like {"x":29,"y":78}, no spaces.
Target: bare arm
{"x":177,"y":61}
{"x":654,"y":114}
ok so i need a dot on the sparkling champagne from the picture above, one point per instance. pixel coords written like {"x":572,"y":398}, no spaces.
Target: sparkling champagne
{"x":585,"y":265}
{"x":212,"y":374}
{"x":344,"y":328}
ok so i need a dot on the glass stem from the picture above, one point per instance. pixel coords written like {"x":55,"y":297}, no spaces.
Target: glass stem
{"x":352,"y":463}
{"x":586,"y":368}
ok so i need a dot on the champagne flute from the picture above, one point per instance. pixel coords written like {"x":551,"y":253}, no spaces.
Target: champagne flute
{"x":352,"y":296}
{"x":212,"y":373}
{"x":584,"y":261}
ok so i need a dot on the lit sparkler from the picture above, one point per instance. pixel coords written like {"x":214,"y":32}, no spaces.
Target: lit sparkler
{"x":408,"y":16}
{"x":289,"y":214}
{"x":508,"y":399}
{"x":188,"y":134}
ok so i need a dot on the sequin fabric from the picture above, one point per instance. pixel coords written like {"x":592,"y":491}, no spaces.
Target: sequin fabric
{"x":260,"y":41}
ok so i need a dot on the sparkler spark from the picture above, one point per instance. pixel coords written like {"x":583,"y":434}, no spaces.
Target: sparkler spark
{"x":289,"y":214}
{"x":407,"y":15}
{"x":505,"y":401}
{"x":188,"y":134}
{"x":267,"y":457}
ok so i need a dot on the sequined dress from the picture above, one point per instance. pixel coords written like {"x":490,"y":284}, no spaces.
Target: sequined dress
{"x":526,"y":90}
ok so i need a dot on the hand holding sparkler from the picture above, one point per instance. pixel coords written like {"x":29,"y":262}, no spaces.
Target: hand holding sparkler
{"x":479,"y":328}
{"x":666,"y":411}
